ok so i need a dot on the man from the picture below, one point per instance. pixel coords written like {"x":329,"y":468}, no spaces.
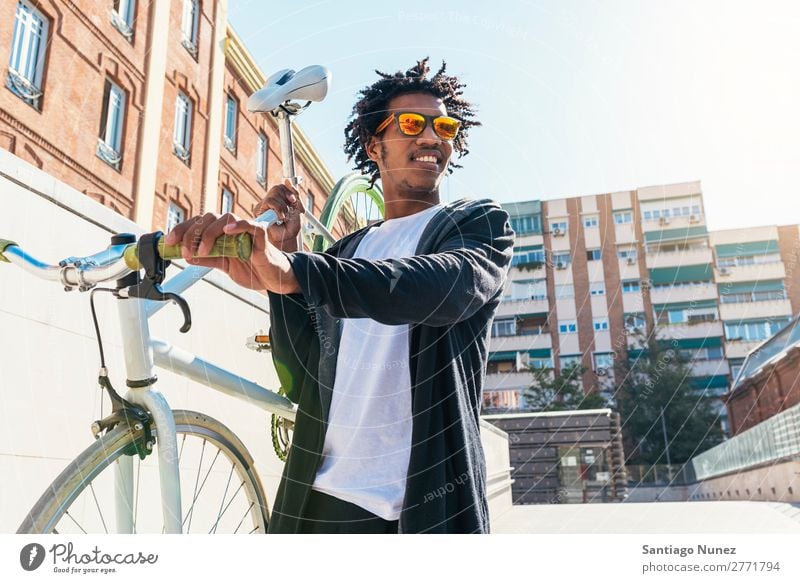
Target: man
{"x":382,"y":340}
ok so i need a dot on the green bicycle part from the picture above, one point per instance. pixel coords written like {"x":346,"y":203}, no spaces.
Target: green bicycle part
{"x":337,"y":203}
{"x":5,"y":244}
{"x":238,"y":246}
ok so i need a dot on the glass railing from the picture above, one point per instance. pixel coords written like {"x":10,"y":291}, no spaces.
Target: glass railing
{"x":784,"y":339}
{"x":773,"y":439}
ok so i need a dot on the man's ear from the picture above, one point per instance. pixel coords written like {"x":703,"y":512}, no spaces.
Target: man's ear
{"x":373,"y":149}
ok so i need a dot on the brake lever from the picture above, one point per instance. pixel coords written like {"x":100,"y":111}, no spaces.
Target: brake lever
{"x":155,"y":268}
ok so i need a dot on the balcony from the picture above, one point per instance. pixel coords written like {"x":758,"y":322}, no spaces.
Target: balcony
{"x":740,"y":348}
{"x":500,"y":381}
{"x":763,"y":309}
{"x":512,"y":307}
{"x":678,"y":258}
{"x":525,"y":340}
{"x":755,"y":272}
{"x":681,"y":222}
{"x":685,"y":330}
{"x":682,"y":293}
{"x":708,"y":368}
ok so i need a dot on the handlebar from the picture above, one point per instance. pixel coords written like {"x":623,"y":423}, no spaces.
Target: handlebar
{"x":117,"y":261}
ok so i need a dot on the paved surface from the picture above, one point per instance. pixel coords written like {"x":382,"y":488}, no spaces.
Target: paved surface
{"x":724,"y":517}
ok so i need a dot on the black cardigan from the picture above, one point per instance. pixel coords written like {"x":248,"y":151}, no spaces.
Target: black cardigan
{"x":448,"y":293}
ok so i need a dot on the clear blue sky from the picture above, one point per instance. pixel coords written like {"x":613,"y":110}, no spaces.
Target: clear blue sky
{"x":576,"y":97}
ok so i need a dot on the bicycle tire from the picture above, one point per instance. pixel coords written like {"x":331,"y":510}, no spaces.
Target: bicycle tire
{"x":352,"y":204}
{"x":96,"y":461}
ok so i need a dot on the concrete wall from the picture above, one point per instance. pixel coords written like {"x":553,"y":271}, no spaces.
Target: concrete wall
{"x":498,"y":471}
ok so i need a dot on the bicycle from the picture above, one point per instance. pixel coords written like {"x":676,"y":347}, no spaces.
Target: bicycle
{"x":142,"y":423}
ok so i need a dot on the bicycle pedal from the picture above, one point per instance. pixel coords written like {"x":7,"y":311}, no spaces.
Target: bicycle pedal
{"x":259,"y":342}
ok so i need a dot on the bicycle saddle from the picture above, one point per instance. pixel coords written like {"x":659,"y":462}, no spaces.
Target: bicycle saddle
{"x":307,"y":84}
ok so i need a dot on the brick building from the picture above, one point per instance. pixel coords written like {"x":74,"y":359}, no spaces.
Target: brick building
{"x":142,"y":107}
{"x":587,"y":270}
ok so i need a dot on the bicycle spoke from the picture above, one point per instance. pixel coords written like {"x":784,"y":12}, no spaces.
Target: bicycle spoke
{"x":196,"y":480}
{"x":136,"y":500}
{"x":224,"y":494}
{"x":100,"y":512}
{"x":229,"y":503}
{"x":75,"y":521}
{"x":205,"y":478}
{"x":246,"y":512}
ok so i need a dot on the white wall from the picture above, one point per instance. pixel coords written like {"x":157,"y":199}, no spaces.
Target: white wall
{"x":48,"y":354}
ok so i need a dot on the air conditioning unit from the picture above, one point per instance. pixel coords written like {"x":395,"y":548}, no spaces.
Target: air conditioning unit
{"x":724,"y":271}
{"x":631,"y":260}
{"x":558,"y":232}
{"x":663,"y":221}
{"x":601,"y":372}
{"x":694,"y":219}
{"x":646,"y":283}
{"x":561,"y":265}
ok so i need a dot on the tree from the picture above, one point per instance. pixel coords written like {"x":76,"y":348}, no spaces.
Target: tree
{"x":657,"y":380}
{"x":560,"y":392}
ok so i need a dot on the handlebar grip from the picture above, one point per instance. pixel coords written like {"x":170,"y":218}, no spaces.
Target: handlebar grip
{"x":239,"y":246}
{"x":5,"y":244}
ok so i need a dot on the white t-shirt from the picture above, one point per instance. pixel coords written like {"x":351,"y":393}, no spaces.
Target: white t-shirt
{"x":368,"y":440}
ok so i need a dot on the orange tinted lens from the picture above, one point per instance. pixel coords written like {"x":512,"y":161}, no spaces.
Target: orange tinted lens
{"x":446,"y":127}
{"x":411,"y":124}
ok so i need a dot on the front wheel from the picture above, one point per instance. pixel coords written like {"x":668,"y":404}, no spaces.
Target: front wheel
{"x":220,"y":489}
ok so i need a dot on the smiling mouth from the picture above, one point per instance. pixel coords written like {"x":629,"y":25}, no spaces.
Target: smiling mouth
{"x":431,"y":162}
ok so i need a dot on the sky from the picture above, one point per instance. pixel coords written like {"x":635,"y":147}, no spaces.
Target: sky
{"x":576,"y":97}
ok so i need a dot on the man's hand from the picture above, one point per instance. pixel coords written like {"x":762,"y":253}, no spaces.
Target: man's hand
{"x":268,"y":267}
{"x":285,"y":201}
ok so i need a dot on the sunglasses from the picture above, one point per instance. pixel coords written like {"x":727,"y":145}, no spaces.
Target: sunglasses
{"x":413,"y":124}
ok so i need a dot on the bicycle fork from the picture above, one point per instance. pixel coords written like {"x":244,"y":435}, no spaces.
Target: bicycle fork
{"x":141,"y":376}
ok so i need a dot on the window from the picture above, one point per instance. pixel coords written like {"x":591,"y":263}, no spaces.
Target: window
{"x":529,"y":289}
{"x":754,"y":330}
{"x":590,"y":222}
{"x":630,"y":286}
{"x":230,"y":124}
{"x":189,"y":23}
{"x":600,"y":323}
{"x":561,"y":260}
{"x":109,"y":144}
{"x":594,"y":254}
{"x":597,"y":288}
{"x":28,"y":47}
{"x":261,"y":159}
{"x":122,"y":17}
{"x":647,"y":215}
{"x":174,"y":216}
{"x":564,"y":291}
{"x":310,"y":202}
{"x":568,"y":327}
{"x":528,"y":256}
{"x":226,"y":205}
{"x":604,"y":360}
{"x":634,"y":321}
{"x":523,"y":225}
{"x":559,"y":227}
{"x":182,"y":133}
{"x":506,"y":327}
{"x":627,"y":253}
{"x":622,"y":217}
{"x":569,"y":360}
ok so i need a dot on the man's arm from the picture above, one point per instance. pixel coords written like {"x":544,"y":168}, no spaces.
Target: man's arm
{"x":436,"y":289}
